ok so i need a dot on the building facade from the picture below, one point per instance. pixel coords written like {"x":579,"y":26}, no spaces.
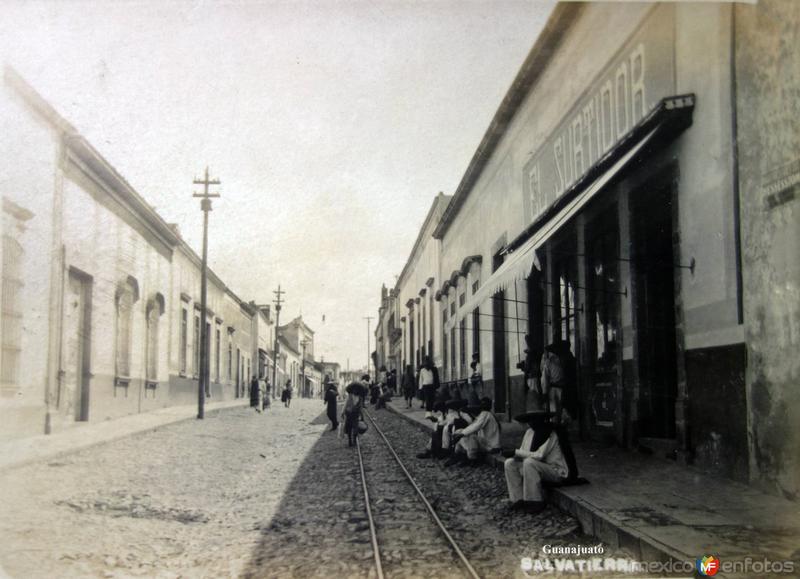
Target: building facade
{"x":605,"y":209}
{"x":101,"y":313}
{"x":413,"y":303}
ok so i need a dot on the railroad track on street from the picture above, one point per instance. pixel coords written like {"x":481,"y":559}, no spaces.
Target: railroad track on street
{"x":403,"y":535}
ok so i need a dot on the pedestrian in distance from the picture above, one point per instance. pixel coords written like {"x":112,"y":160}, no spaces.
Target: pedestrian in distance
{"x":331,"y":394}
{"x":429,"y":384}
{"x":539,"y":458}
{"x":287,"y":394}
{"x":351,"y":413}
{"x":255,"y":394}
{"x":408,"y":385}
{"x":267,"y":395}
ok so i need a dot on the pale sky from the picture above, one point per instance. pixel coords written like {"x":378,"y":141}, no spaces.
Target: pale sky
{"x":332,"y":125}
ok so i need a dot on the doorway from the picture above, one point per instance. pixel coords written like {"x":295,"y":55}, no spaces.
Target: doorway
{"x":74,"y":394}
{"x":654,"y":300}
{"x":499,"y":344}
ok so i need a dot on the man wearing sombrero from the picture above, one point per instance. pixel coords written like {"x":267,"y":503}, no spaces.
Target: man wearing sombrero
{"x":539,"y":458}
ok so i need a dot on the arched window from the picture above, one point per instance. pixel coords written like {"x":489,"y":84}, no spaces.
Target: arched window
{"x":127,"y":295}
{"x":155,"y":308}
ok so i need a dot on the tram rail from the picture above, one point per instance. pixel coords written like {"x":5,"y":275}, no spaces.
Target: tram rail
{"x":470,"y":570}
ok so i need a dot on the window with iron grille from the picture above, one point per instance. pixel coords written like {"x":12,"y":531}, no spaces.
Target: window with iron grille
{"x":197,"y":344}
{"x":462,"y":343}
{"x":124,"y":325}
{"x":216,"y":353}
{"x":184,"y":337}
{"x":153,"y":316}
{"x":476,"y":332}
{"x":11,"y":321}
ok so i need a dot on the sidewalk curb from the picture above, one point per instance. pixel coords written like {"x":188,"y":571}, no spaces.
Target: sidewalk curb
{"x":32,"y":454}
{"x":594,"y":522}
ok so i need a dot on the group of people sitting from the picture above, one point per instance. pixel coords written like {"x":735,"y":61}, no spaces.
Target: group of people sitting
{"x":465,"y":434}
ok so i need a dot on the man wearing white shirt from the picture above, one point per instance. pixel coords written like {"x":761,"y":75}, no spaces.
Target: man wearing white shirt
{"x":538,"y":458}
{"x":428,"y":384}
{"x":480,"y":437}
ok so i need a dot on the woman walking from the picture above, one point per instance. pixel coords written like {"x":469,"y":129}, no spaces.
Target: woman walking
{"x":409,"y":385}
{"x":352,"y":410}
{"x":330,"y":401}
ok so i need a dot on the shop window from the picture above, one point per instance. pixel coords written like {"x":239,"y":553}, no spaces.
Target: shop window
{"x":604,"y":317}
{"x":11,"y":329}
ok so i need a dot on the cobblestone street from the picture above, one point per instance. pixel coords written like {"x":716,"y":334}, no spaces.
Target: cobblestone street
{"x":185,"y":500}
{"x":243,"y":494}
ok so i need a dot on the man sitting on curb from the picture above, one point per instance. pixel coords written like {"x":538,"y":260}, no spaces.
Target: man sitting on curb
{"x":480,"y":437}
{"x":456,"y":419}
{"x":435,"y":448}
{"x":539,"y":458}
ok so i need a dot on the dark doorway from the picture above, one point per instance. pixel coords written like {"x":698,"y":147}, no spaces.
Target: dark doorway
{"x":500,"y":373}
{"x":414,"y":353}
{"x":654,"y":300}
{"x":604,"y":320}
{"x":77,"y":344}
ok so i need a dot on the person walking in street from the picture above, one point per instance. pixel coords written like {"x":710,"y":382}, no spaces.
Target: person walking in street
{"x":267,"y":395}
{"x":352,"y":410}
{"x":331,"y":394}
{"x":255,"y":394}
{"x":539,"y":458}
{"x":429,"y":384}
{"x":287,"y":394}
{"x":408,"y":385}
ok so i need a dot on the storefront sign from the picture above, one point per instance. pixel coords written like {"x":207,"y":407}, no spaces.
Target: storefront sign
{"x":629,"y":87}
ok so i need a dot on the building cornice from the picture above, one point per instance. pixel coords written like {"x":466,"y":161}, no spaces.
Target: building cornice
{"x":560,"y":20}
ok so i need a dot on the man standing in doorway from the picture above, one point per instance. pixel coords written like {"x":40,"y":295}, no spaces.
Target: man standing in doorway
{"x":429,"y":384}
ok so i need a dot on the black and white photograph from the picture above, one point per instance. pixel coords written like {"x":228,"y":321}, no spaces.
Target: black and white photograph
{"x":399,"y":289}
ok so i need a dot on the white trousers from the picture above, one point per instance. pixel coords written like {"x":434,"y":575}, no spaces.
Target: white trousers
{"x":473,"y":445}
{"x":524,"y":478}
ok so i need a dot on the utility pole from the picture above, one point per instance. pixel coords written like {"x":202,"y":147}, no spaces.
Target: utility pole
{"x":277,"y":301}
{"x":303,"y":388}
{"x":369,"y":319}
{"x":205,"y":205}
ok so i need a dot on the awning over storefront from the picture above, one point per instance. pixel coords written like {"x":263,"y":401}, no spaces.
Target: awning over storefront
{"x":668,"y":119}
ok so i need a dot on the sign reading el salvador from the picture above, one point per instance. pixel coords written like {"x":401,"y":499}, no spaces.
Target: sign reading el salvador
{"x":640,"y":75}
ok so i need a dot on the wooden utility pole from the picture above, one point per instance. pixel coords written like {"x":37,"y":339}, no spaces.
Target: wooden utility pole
{"x":369,"y":319}
{"x":277,"y":301}
{"x":205,"y":205}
